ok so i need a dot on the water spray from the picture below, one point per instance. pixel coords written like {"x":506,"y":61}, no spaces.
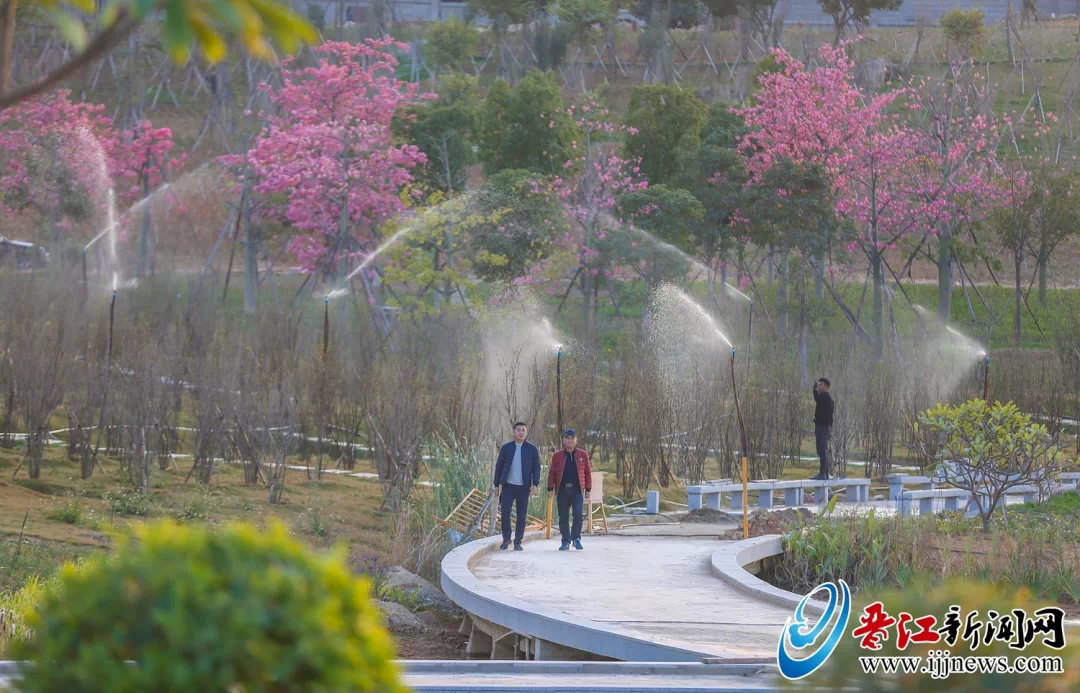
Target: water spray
{"x":742,"y":433}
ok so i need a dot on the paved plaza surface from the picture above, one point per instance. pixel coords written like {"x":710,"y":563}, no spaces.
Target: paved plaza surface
{"x":659,"y":587}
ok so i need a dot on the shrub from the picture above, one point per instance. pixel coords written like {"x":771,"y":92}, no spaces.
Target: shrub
{"x":129,"y":504}
{"x":70,"y":512}
{"x":194,"y":509}
{"x":964,"y":28}
{"x":237,"y":609}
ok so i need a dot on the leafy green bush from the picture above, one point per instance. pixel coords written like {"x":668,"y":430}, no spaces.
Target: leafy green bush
{"x":964,"y":28}
{"x":129,"y":504}
{"x":233,"y":610}
{"x":194,"y":509}
{"x":70,"y":512}
{"x":843,"y":671}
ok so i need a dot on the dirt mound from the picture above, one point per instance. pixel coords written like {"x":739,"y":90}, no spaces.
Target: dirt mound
{"x":708,"y":516}
{"x":762,"y":521}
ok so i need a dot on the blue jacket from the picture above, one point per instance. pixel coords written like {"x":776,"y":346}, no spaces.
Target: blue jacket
{"x":530,"y":464}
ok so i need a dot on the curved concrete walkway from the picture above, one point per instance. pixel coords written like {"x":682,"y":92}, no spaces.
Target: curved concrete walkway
{"x":659,"y":590}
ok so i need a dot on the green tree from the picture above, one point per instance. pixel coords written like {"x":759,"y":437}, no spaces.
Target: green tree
{"x":204,"y":24}
{"x":668,"y":121}
{"x":669,"y":214}
{"x":845,"y":13}
{"x":451,"y":44}
{"x":964,"y":29}
{"x":519,"y":219}
{"x":715,"y":174}
{"x":525,"y":126}
{"x":444,"y":130}
{"x":989,"y":448}
{"x":230,"y":609}
{"x":1058,"y":193}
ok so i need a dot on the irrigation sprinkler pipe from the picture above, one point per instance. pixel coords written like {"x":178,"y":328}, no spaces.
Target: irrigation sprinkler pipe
{"x":326,"y":326}
{"x":558,"y":392}
{"x":749,"y":341}
{"x":986,"y":380}
{"x":742,"y":433}
{"x":558,"y":415}
{"x":108,"y":369}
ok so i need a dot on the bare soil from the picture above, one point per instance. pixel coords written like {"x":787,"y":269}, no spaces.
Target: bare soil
{"x":438,"y":640}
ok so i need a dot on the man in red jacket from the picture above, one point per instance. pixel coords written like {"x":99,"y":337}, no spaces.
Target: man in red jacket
{"x":570,"y":474}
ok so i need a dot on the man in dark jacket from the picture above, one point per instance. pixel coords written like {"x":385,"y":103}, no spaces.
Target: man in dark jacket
{"x":517,"y":476}
{"x":570,"y":472}
{"x":823,"y":414}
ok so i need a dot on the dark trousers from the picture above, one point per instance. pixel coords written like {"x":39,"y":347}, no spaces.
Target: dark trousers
{"x":821,"y":435}
{"x":511,"y":493}
{"x":567,"y":498}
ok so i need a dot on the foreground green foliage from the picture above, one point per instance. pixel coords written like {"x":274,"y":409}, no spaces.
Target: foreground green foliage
{"x":237,"y":609}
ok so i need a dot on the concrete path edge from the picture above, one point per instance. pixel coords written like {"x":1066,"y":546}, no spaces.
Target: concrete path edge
{"x":729,"y":564}
{"x":534,"y":620}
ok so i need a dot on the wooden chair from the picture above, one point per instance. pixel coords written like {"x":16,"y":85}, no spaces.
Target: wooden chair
{"x":597,"y":498}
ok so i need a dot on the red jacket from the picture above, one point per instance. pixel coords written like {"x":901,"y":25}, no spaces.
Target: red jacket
{"x":584,"y":469}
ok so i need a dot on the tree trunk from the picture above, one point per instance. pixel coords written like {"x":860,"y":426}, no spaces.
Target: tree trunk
{"x":782,"y":294}
{"x":7,"y":46}
{"x":35,"y":444}
{"x":251,"y":263}
{"x":144,"y":235}
{"x":944,"y":309}
{"x":819,"y":273}
{"x":1043,"y":262}
{"x":803,"y":377}
{"x":587,"y":282}
{"x":877,"y":318}
{"x":1017,"y":261}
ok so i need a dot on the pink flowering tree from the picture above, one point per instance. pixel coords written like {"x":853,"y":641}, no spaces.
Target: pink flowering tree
{"x":891,"y":174}
{"x":54,"y":161}
{"x":327,"y":161}
{"x":957,"y":183}
{"x":588,"y":192}
{"x":142,"y":161}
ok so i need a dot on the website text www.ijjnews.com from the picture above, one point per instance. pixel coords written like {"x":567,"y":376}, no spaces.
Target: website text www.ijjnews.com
{"x":940,"y":664}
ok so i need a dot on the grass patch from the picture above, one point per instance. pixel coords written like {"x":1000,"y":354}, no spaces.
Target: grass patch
{"x":70,"y":512}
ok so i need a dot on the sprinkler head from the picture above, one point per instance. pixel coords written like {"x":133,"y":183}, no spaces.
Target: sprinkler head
{"x":114,"y":294}
{"x":732,"y":352}
{"x":326,"y":301}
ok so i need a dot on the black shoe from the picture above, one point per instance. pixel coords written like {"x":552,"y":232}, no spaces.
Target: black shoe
{"x":517,"y":547}
{"x":818,"y":477}
{"x":504,"y":546}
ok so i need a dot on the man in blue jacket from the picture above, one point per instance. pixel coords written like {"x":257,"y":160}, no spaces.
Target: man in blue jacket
{"x":517,"y":476}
